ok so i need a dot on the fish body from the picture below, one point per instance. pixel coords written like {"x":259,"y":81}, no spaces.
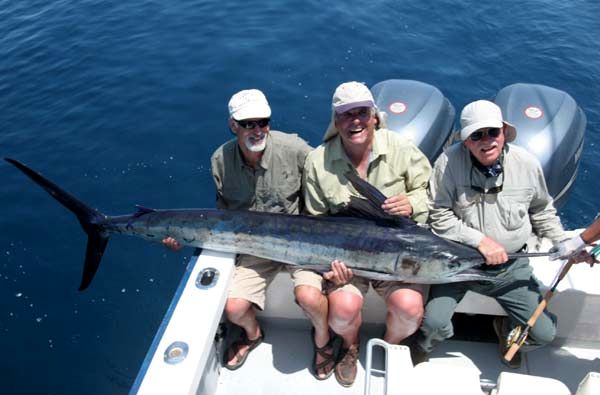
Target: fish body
{"x":374,"y":246}
{"x":381,"y":251}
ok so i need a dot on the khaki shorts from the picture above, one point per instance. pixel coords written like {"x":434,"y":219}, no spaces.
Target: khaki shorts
{"x":360,"y":286}
{"x":253,"y":275}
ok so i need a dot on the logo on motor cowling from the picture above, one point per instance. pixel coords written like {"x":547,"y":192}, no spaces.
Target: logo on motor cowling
{"x":534,"y":112}
{"x":397,"y":107}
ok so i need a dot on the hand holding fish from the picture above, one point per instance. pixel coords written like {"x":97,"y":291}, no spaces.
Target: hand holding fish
{"x":171,"y":243}
{"x":340,"y":274}
{"x":398,"y":205}
{"x":493,"y":252}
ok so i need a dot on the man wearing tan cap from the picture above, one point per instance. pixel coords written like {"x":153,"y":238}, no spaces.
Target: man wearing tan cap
{"x":490,"y":195}
{"x":261,"y":170}
{"x":357,"y":141}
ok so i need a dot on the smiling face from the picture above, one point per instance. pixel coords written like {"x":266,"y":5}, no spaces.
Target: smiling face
{"x":356,"y":126}
{"x":251,"y":133}
{"x":487,"y":149}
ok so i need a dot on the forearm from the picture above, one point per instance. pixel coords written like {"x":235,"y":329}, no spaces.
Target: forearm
{"x":446,"y":224}
{"x":592,"y":233}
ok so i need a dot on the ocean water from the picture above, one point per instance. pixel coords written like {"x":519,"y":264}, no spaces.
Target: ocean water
{"x":122,"y":103}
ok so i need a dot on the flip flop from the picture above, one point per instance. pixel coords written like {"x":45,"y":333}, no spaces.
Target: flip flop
{"x":237,"y":345}
{"x":329,"y":357}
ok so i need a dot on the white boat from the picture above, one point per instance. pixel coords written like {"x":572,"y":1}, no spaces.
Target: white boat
{"x":185,"y":356}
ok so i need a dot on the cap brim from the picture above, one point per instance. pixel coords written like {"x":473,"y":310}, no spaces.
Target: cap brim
{"x":250,"y":113}
{"x":510,"y":132}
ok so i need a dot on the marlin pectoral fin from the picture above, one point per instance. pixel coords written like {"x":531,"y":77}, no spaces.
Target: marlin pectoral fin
{"x":474,"y":274}
{"x":141,"y":210}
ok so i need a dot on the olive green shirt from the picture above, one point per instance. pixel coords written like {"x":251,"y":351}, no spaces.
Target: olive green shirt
{"x":396,"y":166}
{"x":273,"y":186}
{"x":460,"y":213}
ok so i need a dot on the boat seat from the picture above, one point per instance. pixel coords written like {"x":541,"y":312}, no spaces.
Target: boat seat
{"x":400,"y":377}
{"x":517,"y":384}
{"x":590,"y":385}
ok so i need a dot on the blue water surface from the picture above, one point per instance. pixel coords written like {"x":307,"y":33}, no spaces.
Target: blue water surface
{"x":122,"y":103}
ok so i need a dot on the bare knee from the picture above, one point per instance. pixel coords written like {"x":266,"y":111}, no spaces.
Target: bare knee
{"x":309,"y":298}
{"x":236,"y":308}
{"x":344,"y":308}
{"x":406,"y":304}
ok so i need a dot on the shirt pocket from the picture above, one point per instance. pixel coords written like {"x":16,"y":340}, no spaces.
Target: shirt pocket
{"x":513,"y":207}
{"x":466,"y":207}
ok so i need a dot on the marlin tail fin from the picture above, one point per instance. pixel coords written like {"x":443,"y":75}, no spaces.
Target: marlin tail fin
{"x":89,"y":218}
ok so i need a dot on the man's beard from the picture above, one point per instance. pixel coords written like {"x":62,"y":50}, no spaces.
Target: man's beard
{"x":253,"y":145}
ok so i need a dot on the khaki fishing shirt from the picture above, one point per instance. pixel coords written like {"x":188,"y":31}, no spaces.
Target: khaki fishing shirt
{"x":273,"y":186}
{"x":459,"y":212}
{"x":396,"y":166}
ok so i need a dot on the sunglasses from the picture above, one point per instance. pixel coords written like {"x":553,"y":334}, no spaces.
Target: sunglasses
{"x":252,"y":124}
{"x":496,"y":189}
{"x":478,"y":135}
{"x":362,"y":113}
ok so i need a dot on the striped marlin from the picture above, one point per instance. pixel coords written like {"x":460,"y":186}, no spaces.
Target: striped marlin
{"x":373,"y":244}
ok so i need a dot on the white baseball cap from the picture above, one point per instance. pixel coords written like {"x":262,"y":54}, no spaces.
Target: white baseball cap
{"x":484,"y":114}
{"x":350,"y":95}
{"x":249,"y":103}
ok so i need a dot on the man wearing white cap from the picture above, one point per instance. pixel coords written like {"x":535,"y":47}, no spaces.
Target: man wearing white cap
{"x":261,"y":170}
{"x":357,"y":141}
{"x":490,"y":195}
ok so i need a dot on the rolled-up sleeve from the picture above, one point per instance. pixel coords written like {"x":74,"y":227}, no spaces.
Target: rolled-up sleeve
{"x":542,"y":213}
{"x":314,"y":200}
{"x":217,"y":171}
{"x":442,"y":218}
{"x":417,"y":179}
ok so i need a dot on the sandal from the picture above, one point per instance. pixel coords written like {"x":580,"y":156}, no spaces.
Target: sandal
{"x":237,"y":345}
{"x":329,"y":357}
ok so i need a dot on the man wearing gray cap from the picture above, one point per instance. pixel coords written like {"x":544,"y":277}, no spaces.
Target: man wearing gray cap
{"x":357,"y":141}
{"x":490,"y":195}
{"x":261,"y":170}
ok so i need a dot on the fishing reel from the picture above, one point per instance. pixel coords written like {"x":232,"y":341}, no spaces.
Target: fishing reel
{"x":517,"y":336}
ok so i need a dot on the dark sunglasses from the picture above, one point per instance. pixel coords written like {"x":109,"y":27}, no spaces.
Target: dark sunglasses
{"x":492,"y":132}
{"x":252,"y":124}
{"x":362,"y":113}
{"x":496,"y":189}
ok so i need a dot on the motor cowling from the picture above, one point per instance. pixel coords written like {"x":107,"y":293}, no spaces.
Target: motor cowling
{"x":417,"y":111}
{"x":551,"y":126}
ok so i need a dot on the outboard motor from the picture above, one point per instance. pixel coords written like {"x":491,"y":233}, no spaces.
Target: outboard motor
{"x":551,"y":126}
{"x":418,"y":111}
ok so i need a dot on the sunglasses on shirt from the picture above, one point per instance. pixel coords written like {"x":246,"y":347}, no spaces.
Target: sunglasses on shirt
{"x":252,"y":124}
{"x":496,"y":189}
{"x":478,"y":135}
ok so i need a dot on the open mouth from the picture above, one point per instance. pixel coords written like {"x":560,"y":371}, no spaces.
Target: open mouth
{"x":356,"y":131}
{"x":488,"y":149}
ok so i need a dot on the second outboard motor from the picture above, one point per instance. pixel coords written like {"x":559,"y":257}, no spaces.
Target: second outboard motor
{"x":551,"y":126}
{"x":418,"y":111}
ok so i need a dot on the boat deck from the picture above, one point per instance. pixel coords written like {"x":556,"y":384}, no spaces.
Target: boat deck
{"x":184,"y":357}
{"x":280,"y":364}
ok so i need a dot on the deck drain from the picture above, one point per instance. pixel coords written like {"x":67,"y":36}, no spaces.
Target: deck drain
{"x":207,"y":278}
{"x":176,"y":352}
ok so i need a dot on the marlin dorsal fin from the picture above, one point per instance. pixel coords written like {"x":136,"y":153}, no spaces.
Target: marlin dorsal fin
{"x":370,"y":207}
{"x":373,"y":194}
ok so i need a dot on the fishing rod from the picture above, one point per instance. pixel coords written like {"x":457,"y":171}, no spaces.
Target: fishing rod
{"x":516,"y":255}
{"x":517,"y":338}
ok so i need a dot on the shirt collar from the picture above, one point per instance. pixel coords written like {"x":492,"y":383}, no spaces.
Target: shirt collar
{"x":336,"y":150}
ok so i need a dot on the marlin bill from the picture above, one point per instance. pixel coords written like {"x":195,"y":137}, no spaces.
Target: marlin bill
{"x":370,"y":242}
